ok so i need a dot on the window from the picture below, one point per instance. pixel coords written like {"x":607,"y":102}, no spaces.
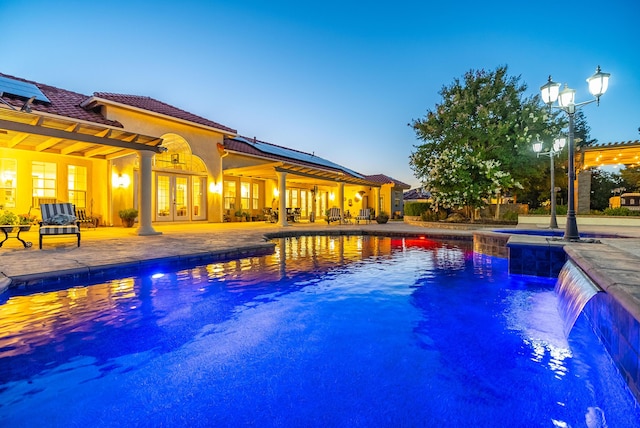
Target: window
{"x":43,"y":175}
{"x":245,"y":194}
{"x":77,"y":176}
{"x":8,"y":174}
{"x":229,"y":195}
{"x":255,"y":196}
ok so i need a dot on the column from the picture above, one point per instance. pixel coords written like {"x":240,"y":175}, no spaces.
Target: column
{"x":341,"y":201}
{"x":146,"y":187}
{"x":376,"y":200}
{"x":282,"y":206}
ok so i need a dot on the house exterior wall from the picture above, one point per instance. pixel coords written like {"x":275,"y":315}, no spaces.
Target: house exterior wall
{"x":203,"y":143}
{"x":97,"y":174}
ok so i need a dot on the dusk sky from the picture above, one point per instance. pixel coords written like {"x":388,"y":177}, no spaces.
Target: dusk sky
{"x":340,"y":79}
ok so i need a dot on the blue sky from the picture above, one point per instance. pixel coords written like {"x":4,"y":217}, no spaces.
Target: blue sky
{"x":341,"y":79}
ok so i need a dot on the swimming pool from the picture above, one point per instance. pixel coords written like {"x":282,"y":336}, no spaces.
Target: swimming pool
{"x":327,"y":331}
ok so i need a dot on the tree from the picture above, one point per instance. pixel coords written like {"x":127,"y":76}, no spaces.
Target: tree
{"x":463,"y":178}
{"x":581,"y":130}
{"x":602,"y":184}
{"x":631,"y":179}
{"x":483,"y":117}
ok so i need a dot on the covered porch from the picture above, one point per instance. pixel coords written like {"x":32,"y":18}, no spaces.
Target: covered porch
{"x":311,"y":191}
{"x":70,"y":160}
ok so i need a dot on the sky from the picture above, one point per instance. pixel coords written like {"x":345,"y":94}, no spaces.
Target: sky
{"x":340,"y":79}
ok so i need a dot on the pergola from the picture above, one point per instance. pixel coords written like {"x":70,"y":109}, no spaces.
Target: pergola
{"x":47,"y":133}
{"x":621,"y":153}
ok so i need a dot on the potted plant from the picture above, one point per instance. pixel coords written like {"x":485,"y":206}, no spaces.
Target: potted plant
{"x":8,"y":221}
{"x":382,"y":218}
{"x":128,"y":216}
{"x":26,"y":221}
{"x":239,"y":215}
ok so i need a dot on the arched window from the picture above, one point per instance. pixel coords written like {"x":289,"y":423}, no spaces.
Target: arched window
{"x":178,"y":156}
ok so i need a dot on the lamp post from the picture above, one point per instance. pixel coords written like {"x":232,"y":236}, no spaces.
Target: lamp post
{"x":558,"y":145}
{"x":598,"y":84}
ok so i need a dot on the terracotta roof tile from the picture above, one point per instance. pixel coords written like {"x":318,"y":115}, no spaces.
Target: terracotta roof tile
{"x":63,"y":103}
{"x":384,"y":179}
{"x":151,"y":104}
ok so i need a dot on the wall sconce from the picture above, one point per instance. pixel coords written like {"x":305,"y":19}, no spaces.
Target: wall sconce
{"x":276,"y":193}
{"x":215,"y":188}
{"x":359,"y":195}
{"x":121,"y":180}
{"x":332,"y":196}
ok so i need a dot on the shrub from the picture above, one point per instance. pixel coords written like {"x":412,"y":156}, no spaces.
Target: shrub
{"x":416,"y":208}
{"x":620,"y":211}
{"x":128,"y":214}
{"x":429,"y":216}
{"x":511,"y":216}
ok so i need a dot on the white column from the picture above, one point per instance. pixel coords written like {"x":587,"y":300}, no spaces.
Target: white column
{"x":282,"y":206}
{"x":341,"y":200}
{"x":146,"y":187}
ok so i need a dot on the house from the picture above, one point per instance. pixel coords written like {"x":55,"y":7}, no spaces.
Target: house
{"x":391,"y":194}
{"x":416,"y":195}
{"x":105,"y":152}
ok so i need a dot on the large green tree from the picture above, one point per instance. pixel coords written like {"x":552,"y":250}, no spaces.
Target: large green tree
{"x":485,"y":117}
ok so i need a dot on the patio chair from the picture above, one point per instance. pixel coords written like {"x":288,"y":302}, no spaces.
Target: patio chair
{"x":346,"y":218}
{"x":83,"y":218}
{"x":58,"y":219}
{"x":270,"y":215}
{"x":334,"y":214}
{"x":364,"y":215}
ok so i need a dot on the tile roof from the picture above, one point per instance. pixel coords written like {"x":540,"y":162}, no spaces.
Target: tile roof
{"x":416,"y":194}
{"x":151,"y":104}
{"x":384,"y":179}
{"x":63,"y":103}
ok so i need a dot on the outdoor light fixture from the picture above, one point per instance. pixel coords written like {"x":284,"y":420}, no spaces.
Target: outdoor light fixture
{"x":215,"y":188}
{"x":121,"y":180}
{"x":558,"y":145}
{"x":550,"y":92}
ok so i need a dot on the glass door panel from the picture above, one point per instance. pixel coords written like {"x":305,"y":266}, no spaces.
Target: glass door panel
{"x":163,"y":198}
{"x":181,"y":200}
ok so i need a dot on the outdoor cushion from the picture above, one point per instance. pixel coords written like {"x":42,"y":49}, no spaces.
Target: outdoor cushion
{"x":59,"y":230}
{"x":60,"y":220}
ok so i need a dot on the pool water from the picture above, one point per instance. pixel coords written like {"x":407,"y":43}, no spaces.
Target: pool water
{"x":326,"y":332}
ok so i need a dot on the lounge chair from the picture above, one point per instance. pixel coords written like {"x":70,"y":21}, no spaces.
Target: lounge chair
{"x":58,"y":219}
{"x":364,"y":215}
{"x":334,"y":214}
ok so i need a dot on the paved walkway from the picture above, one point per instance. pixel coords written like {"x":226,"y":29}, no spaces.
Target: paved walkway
{"x":117,"y":247}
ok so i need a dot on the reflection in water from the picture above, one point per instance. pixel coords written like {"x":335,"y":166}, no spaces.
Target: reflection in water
{"x":31,"y":321}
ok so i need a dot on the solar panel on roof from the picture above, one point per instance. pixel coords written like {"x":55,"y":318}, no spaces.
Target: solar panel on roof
{"x":21,"y":89}
{"x":292,"y":154}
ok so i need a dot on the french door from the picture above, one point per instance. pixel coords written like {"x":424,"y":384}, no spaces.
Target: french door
{"x":180,"y":197}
